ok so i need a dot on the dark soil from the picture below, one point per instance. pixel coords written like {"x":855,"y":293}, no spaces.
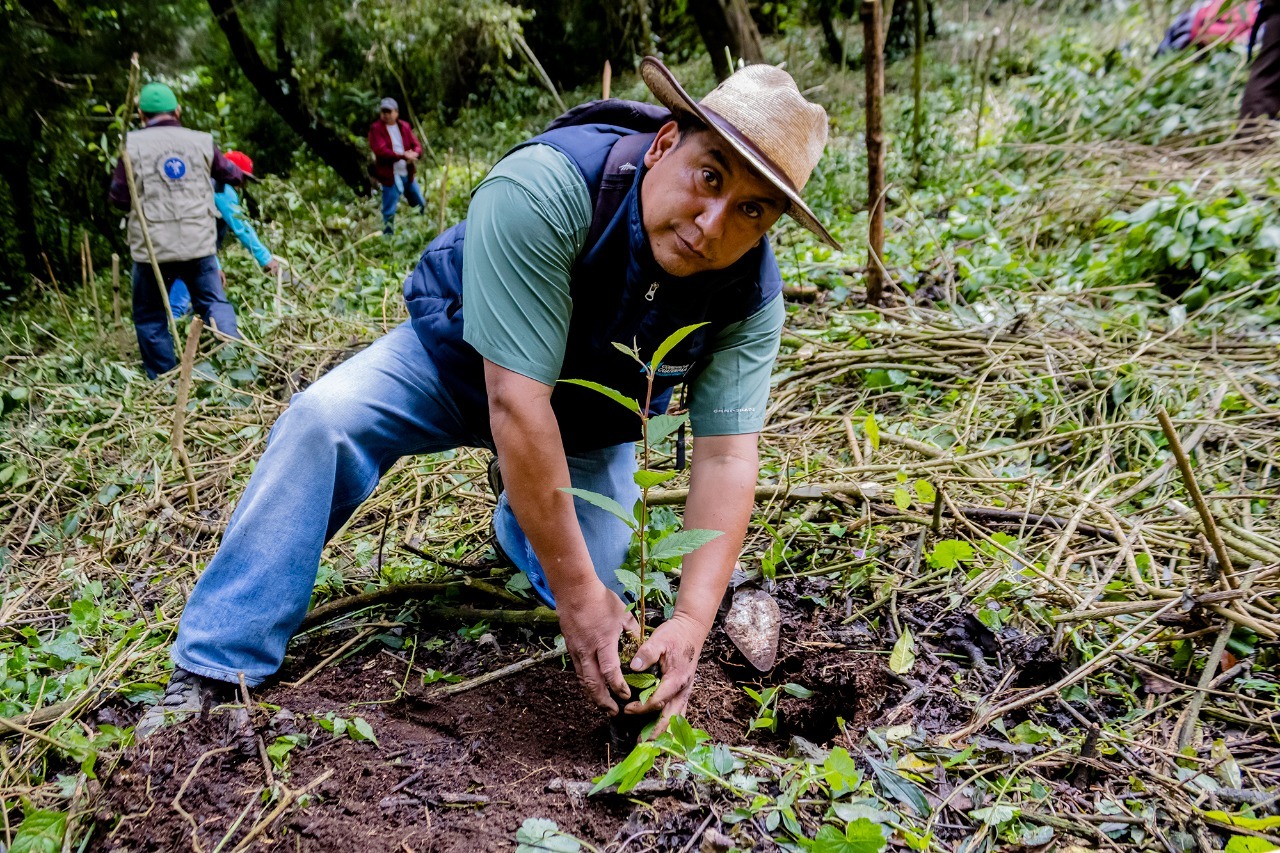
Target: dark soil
{"x":463,"y":772}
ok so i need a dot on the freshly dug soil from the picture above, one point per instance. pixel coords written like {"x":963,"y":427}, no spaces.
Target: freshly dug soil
{"x":455,"y":773}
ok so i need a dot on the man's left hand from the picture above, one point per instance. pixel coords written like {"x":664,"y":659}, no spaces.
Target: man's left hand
{"x":675,"y":645}
{"x":271,"y":267}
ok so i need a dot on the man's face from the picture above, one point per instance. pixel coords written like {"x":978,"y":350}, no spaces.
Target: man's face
{"x":703,"y":207}
{"x":389,"y":116}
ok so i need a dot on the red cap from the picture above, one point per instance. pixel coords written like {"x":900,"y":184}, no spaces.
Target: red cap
{"x":242,"y":160}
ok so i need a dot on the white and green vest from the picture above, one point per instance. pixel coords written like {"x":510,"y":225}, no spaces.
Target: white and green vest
{"x":171,"y":167}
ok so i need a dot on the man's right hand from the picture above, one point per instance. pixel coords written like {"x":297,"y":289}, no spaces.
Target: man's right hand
{"x":592,"y":618}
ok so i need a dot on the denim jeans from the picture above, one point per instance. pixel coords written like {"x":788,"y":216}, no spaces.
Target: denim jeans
{"x":149,"y":320}
{"x":324,"y":457}
{"x":391,"y":198}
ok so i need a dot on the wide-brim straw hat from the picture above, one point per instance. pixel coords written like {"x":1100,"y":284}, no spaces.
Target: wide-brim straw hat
{"x":759,"y":113}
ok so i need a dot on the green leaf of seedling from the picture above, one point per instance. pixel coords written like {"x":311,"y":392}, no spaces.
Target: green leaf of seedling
{"x":872,"y":430}
{"x":605,"y":503}
{"x":681,"y":543}
{"x":903,"y":656}
{"x":683,"y":734}
{"x":797,"y":690}
{"x":361,"y":730}
{"x":1249,"y":844}
{"x":41,"y":832}
{"x":648,"y":479}
{"x":673,"y":340}
{"x":629,"y":352}
{"x":640,"y":680}
{"x":661,"y":426}
{"x":630,"y":770}
{"x":925,"y":491}
{"x":618,"y":397}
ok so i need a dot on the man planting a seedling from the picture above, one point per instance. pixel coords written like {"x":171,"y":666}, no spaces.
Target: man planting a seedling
{"x":621,"y":224}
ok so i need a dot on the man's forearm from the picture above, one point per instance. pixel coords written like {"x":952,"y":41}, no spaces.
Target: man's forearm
{"x":534,"y":469}
{"x":721,"y":495}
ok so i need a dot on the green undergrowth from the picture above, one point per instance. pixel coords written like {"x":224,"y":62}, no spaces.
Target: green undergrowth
{"x":1066,"y":260}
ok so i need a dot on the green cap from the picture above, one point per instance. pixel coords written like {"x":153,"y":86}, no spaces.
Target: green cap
{"x":157,"y":98}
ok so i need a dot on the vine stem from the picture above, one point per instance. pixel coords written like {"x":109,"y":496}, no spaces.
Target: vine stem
{"x":644,"y":492}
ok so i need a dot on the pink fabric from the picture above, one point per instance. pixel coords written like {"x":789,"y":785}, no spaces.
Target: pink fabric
{"x":1212,"y":25}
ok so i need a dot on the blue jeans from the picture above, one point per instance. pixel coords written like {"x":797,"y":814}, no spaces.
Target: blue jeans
{"x":149,"y":320}
{"x":391,"y":198}
{"x":324,"y":457}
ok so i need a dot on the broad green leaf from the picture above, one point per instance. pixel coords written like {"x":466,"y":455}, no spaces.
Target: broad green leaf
{"x":681,"y":543}
{"x":605,"y":503}
{"x":903,"y":656}
{"x":872,"y":430}
{"x":640,"y":680}
{"x":661,"y":426}
{"x":798,"y":690}
{"x":840,"y":772}
{"x":1028,"y":732}
{"x":1259,"y":824}
{"x":361,"y":730}
{"x":618,"y":397}
{"x":995,"y":815}
{"x":41,"y":832}
{"x":860,"y":836}
{"x":902,"y":498}
{"x":627,"y":773}
{"x":648,"y":479}
{"x":673,"y":340}
{"x":539,"y":835}
{"x":925,"y":492}
{"x":950,"y":553}
{"x":683,"y":734}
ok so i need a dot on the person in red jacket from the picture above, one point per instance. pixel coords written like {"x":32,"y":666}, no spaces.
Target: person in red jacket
{"x":395,"y":150}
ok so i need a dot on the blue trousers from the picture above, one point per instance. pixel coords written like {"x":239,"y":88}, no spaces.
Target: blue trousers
{"x":149,"y":320}
{"x":324,"y":457}
{"x":391,"y":198}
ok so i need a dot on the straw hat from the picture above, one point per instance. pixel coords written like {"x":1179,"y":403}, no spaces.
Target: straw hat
{"x":760,"y":113}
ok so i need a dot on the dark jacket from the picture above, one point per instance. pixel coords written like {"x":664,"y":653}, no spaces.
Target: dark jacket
{"x":618,"y":295}
{"x":385,"y":156}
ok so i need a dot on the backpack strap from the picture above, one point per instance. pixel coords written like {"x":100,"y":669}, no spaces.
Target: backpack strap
{"x":619,"y":174}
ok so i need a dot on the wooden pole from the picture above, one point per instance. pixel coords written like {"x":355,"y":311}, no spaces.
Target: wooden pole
{"x":873,"y":59}
{"x":136,"y":204}
{"x":115,"y":288}
{"x":180,"y":410}
{"x":917,"y":92}
{"x":444,"y":191}
{"x":93,"y":281}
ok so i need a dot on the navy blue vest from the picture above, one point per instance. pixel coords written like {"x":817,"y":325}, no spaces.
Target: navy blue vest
{"x":619,"y":294}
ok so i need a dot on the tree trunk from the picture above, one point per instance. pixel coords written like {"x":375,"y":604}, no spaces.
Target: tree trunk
{"x":873,"y":56}
{"x":15,"y":160}
{"x":917,"y":90}
{"x":727,"y":28}
{"x":334,"y":150}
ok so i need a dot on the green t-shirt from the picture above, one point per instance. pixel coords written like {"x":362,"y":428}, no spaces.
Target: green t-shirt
{"x":527,"y":223}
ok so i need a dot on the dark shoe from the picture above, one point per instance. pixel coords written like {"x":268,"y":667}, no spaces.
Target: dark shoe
{"x":186,"y":694}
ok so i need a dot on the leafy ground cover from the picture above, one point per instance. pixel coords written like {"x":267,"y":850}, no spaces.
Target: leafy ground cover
{"x":1006,"y":622}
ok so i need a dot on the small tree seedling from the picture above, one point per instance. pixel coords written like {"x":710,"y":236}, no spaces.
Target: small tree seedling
{"x":671,"y":543}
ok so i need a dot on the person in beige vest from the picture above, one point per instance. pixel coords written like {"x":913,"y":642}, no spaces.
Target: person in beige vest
{"x":173,"y":169}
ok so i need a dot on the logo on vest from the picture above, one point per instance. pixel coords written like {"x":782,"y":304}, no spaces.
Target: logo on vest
{"x":627,"y":167}
{"x":174,"y":167}
{"x":667,"y":370}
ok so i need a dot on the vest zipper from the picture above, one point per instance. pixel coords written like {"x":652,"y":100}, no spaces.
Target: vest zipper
{"x":653,"y":291}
